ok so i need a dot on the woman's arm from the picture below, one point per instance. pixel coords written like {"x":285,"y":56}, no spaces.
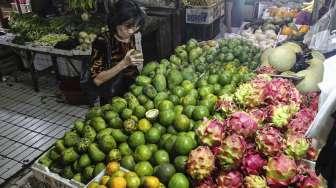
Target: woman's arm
{"x":104,"y":76}
{"x":130,"y":59}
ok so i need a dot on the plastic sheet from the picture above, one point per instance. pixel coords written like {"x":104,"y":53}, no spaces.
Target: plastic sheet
{"x":322,"y":36}
{"x":323,"y":122}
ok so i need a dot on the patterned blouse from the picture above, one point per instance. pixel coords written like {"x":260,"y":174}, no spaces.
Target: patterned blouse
{"x":98,"y":59}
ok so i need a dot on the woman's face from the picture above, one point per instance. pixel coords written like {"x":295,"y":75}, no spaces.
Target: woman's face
{"x":126,"y":30}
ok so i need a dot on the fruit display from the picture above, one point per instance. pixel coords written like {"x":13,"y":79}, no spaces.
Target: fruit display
{"x":257,"y":144}
{"x":292,"y":60}
{"x":262,"y":39}
{"x":151,"y":129}
{"x":292,"y":31}
{"x":116,"y":177}
{"x":199,"y":2}
{"x":280,"y":13}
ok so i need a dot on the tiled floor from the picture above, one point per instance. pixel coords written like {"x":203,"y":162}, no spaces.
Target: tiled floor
{"x":29,"y":125}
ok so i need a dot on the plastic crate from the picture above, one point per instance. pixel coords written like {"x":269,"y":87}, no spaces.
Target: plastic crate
{"x":203,"y":32}
{"x":54,"y":180}
{"x":202,"y":14}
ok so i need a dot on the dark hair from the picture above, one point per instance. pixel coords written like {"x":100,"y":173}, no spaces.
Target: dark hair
{"x":125,"y":10}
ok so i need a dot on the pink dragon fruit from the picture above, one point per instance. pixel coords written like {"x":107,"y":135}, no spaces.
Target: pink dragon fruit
{"x":281,"y":115}
{"x":253,"y":163}
{"x":307,"y":178}
{"x":281,"y":91}
{"x":259,"y":114}
{"x":296,"y":146}
{"x":201,"y":163}
{"x":216,"y":150}
{"x":301,"y":121}
{"x":280,"y":171}
{"x":210,"y":132}
{"x":233,"y":179}
{"x":266,"y":70}
{"x":253,"y":181}
{"x":206,"y":183}
{"x":311,"y":181}
{"x":231,"y":151}
{"x":269,"y":141}
{"x":311,"y":100}
{"x":251,"y":94}
{"x":226,"y":105}
{"x":247,"y":95}
{"x":242,"y":123}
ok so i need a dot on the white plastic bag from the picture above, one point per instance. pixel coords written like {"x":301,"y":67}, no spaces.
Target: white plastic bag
{"x":322,"y":36}
{"x":323,"y":121}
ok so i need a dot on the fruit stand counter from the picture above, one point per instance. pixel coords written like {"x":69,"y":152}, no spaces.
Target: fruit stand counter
{"x":30,"y":51}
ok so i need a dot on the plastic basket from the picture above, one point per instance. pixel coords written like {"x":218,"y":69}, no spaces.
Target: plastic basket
{"x":54,"y":180}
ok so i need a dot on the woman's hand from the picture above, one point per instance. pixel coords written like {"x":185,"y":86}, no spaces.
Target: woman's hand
{"x":133,"y":58}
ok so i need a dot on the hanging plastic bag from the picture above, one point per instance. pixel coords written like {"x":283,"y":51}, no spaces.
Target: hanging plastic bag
{"x":322,"y":36}
{"x":322,"y":123}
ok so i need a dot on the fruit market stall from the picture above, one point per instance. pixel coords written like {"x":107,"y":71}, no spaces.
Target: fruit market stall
{"x":210,"y":116}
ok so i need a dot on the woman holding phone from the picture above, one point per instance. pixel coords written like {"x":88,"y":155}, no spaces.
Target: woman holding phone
{"x":113,"y":64}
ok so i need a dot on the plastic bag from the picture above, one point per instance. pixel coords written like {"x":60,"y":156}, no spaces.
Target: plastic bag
{"x":323,"y":121}
{"x":322,"y":35}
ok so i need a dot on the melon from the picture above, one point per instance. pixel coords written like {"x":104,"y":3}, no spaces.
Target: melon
{"x":293,"y":46}
{"x":282,"y":58}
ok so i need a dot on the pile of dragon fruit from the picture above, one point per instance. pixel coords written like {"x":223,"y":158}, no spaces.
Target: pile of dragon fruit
{"x":259,"y":141}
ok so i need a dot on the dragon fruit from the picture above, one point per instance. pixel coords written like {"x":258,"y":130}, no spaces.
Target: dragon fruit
{"x":226,"y":105}
{"x":269,"y":141}
{"x":201,"y":163}
{"x":233,"y":179}
{"x":281,"y":115}
{"x":242,"y":123}
{"x":266,"y":70}
{"x":296,"y":146}
{"x":301,"y":121}
{"x":253,"y":181}
{"x":311,"y":100}
{"x":280,"y":171}
{"x":311,"y":181}
{"x":307,"y":178}
{"x":253,"y":163}
{"x":215,"y":150}
{"x":206,"y":183}
{"x":231,"y":151}
{"x":251,"y":94}
{"x":259,"y":114}
{"x":210,"y":132}
{"x":281,"y":91}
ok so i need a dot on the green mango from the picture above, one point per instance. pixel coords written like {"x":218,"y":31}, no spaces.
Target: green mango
{"x":107,"y":143}
{"x":95,"y":153}
{"x":160,"y":82}
{"x":119,"y":136}
{"x":98,"y":168}
{"x":143,"y":80}
{"x":98,"y":123}
{"x":69,"y":155}
{"x":84,"y":161}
